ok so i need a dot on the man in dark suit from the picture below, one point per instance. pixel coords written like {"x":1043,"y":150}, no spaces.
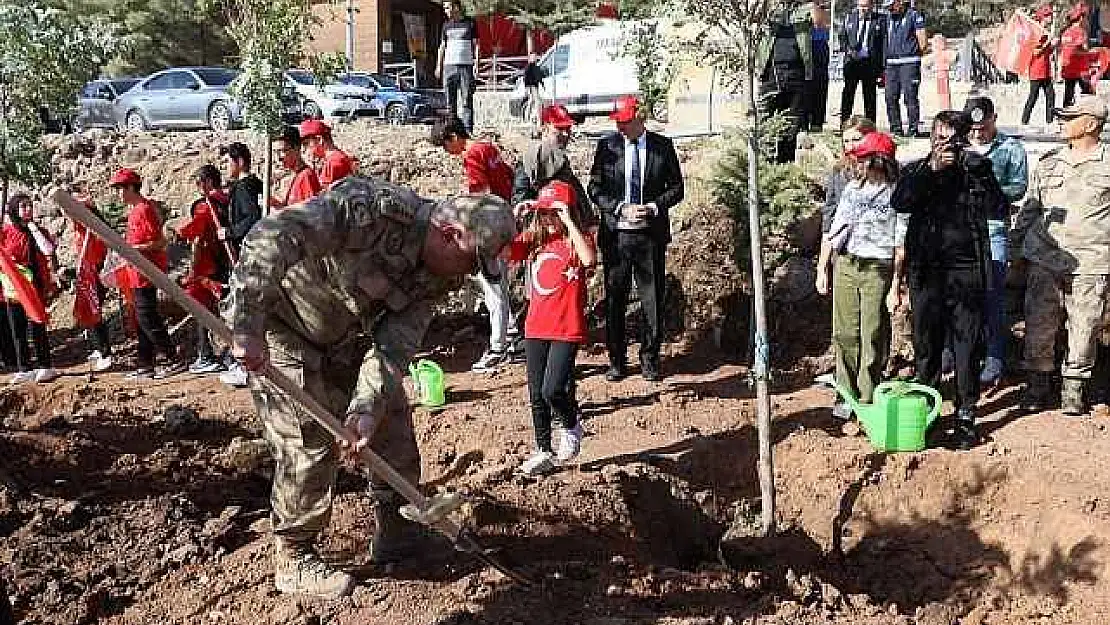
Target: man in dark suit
{"x":862,"y":38}
{"x":635,"y":180}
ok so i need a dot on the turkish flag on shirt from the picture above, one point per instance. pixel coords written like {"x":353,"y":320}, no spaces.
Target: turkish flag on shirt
{"x":22,"y":289}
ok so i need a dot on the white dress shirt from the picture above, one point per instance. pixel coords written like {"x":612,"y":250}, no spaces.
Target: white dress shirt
{"x":630,"y":151}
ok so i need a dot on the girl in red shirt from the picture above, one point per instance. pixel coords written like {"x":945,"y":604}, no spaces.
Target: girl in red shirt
{"x":1040,"y":69}
{"x":95,"y":252}
{"x":557,"y":255}
{"x":26,"y":244}
{"x":1075,"y":61}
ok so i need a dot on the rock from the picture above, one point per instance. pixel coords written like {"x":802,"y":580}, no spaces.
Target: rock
{"x":246,"y":455}
{"x":181,"y":419}
{"x":181,"y":555}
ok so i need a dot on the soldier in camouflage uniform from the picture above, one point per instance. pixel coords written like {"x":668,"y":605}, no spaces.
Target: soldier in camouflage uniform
{"x":337,"y":294}
{"x":1063,"y":231}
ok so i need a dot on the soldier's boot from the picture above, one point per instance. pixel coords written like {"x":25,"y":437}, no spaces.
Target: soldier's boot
{"x":395,"y":537}
{"x":1038,"y":392}
{"x":298,"y":569}
{"x":1072,"y":401}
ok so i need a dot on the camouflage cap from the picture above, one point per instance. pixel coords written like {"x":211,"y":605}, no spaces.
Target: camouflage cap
{"x":1084,"y":105}
{"x":489,"y":218}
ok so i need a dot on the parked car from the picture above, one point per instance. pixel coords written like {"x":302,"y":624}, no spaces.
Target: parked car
{"x":181,"y":97}
{"x":396,"y":104}
{"x":331,"y":100}
{"x":94,"y":103}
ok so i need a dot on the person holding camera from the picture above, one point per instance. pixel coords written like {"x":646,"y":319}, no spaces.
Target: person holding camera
{"x":558,"y":255}
{"x":949,"y":196}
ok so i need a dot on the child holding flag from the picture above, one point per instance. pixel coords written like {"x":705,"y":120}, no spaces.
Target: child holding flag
{"x":28,"y":281}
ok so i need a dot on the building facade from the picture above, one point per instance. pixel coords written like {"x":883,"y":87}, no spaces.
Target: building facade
{"x":385,"y":32}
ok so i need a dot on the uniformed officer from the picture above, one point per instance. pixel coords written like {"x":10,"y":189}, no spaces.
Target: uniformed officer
{"x":906,"y":43}
{"x":1063,"y":230}
{"x":337,"y":294}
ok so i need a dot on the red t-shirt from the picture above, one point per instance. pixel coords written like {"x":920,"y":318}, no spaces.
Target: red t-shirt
{"x":144,"y":225}
{"x":1040,"y":65}
{"x":485,"y":168}
{"x":305,"y":186}
{"x":1074,"y":61}
{"x":557,"y":290}
{"x":209,"y":257}
{"x":337,"y":166}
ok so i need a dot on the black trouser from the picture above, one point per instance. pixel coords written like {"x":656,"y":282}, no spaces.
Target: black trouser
{"x":152,"y":328}
{"x":816,"y":103}
{"x":1069,"y":89}
{"x":903,"y":81}
{"x":949,"y":308}
{"x":789,"y":100}
{"x":634,"y":253}
{"x":17,"y":351}
{"x":864,"y":74}
{"x":1035,"y":87}
{"x":101,"y":336}
{"x":550,"y":386}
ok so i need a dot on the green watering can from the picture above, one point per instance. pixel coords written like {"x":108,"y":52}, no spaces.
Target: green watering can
{"x":427,"y":377}
{"x":898,"y":415}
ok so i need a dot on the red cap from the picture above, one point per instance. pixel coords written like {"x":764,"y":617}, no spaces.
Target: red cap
{"x":555,"y":191}
{"x":125,"y":177}
{"x":874,"y":143}
{"x":1043,"y":12}
{"x":314,"y":128}
{"x":628,"y":108}
{"x":557,"y":115}
{"x":1078,"y":11}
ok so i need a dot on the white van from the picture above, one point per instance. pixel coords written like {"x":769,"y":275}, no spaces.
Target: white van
{"x":586,"y":71}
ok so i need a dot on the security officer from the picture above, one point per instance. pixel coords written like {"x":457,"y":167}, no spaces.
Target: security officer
{"x":337,"y":294}
{"x":1063,"y":230}
{"x":906,"y":42}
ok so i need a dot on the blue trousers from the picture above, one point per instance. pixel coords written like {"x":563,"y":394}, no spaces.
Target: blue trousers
{"x":903,"y":81}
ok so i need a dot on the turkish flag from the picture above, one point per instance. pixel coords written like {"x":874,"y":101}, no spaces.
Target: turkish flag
{"x":1016,"y":45}
{"x":86,"y":304}
{"x":18,"y":286}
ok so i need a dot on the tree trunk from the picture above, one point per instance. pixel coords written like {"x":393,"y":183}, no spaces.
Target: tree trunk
{"x":267,"y":174}
{"x":762,"y":355}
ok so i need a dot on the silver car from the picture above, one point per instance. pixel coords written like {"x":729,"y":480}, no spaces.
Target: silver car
{"x":94,"y":103}
{"x":183,"y":97}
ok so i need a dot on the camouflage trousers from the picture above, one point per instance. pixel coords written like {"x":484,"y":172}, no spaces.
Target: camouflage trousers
{"x":306,"y":455}
{"x":1052,"y":299}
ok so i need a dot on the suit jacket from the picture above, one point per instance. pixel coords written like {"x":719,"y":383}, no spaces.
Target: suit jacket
{"x":663,"y":185}
{"x":852,"y":43}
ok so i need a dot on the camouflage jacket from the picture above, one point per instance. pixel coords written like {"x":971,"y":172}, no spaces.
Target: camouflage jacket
{"x":1064,"y":223}
{"x":341,"y":270}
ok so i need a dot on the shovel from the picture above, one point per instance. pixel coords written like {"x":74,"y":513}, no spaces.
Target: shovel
{"x":431,"y":511}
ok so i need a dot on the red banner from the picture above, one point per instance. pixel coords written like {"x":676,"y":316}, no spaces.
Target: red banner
{"x":22,"y":290}
{"x":1016,"y":45}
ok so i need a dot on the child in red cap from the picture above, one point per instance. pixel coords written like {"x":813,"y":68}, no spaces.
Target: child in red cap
{"x":557,"y":255}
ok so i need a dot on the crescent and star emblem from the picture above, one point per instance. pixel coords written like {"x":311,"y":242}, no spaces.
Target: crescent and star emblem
{"x":571,"y":273}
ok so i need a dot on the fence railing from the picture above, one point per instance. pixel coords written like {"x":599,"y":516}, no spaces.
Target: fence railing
{"x":404,"y":73}
{"x":499,"y":73}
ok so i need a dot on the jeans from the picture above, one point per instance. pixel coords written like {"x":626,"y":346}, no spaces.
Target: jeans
{"x":550,"y":393}
{"x":1036,"y":86}
{"x":998,"y":330}
{"x":458,"y":85}
{"x":495,"y":293}
{"x":152,"y":328}
{"x":634,"y":253}
{"x":861,"y":323}
{"x":903,"y":81}
{"x":947,"y":304}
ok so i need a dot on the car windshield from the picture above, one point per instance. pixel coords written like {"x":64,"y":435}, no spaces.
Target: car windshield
{"x":386,"y":81}
{"x":122,"y":86}
{"x":216,"y":76}
{"x":302,"y":77}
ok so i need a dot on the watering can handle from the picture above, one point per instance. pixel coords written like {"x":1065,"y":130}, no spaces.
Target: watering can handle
{"x":938,"y":401}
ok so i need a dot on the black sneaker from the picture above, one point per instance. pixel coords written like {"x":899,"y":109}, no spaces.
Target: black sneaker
{"x":965,"y":436}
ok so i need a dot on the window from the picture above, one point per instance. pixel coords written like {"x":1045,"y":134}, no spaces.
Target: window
{"x":356,"y":80}
{"x":302,"y":77}
{"x":558,"y":61}
{"x":104,"y":92}
{"x":90,"y":90}
{"x":161,"y":82}
{"x":386,"y":81}
{"x":124,"y":85}
{"x":184,"y":80}
{"x":216,"y":76}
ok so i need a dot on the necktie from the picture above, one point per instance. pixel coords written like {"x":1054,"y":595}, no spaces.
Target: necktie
{"x":634,"y":191}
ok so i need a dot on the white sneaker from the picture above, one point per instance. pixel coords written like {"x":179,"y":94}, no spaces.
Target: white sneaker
{"x":102,"y":363}
{"x":235,"y":376}
{"x":567,"y":443}
{"x":488,"y":362}
{"x":541,"y":463}
{"x":48,"y":374}
{"x":842,"y":411}
{"x":20,"y":377}
{"x":992,"y":371}
{"x":141,"y":373}
{"x":205,"y":365}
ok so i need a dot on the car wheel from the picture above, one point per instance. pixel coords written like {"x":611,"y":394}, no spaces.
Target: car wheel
{"x":77,"y":125}
{"x":312,"y":110}
{"x":134,"y":122}
{"x":219,"y":117}
{"x":397,"y":114}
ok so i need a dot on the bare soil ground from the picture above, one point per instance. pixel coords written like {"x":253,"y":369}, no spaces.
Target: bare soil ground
{"x":136,"y":504}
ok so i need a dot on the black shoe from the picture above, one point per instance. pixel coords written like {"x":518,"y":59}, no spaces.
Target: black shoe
{"x":965,"y":436}
{"x":615,"y":373}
